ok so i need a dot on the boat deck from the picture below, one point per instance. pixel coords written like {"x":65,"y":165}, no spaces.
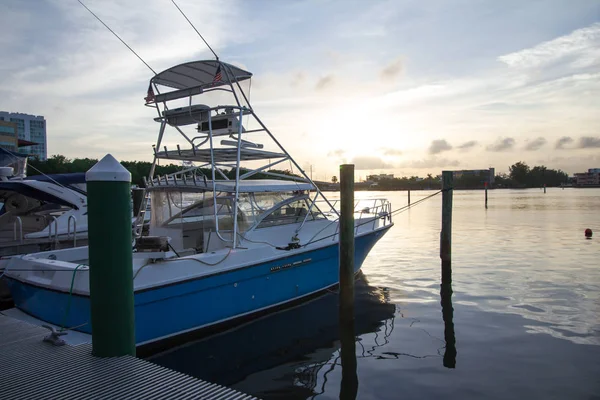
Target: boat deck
{"x":17,"y":247}
{"x":34,"y":369}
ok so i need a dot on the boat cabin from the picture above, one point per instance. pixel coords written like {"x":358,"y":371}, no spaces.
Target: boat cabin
{"x":202,"y":217}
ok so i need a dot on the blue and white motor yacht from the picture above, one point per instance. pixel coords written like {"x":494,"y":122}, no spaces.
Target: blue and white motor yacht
{"x":229,"y":238}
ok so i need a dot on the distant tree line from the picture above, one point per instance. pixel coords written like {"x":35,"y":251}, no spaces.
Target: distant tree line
{"x":521,"y":175}
{"x":59,"y":164}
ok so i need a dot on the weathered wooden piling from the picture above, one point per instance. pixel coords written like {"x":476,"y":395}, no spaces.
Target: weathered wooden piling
{"x":544,"y":188}
{"x":449,"y":359}
{"x":446,"y":233}
{"x":409,"y":197}
{"x":110,"y":259}
{"x":349,"y":383}
{"x":346,"y":271}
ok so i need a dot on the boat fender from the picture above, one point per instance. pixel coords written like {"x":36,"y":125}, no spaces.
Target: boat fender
{"x":16,"y":203}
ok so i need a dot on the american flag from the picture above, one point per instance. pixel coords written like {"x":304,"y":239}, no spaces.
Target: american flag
{"x":150,"y":97}
{"x":218,"y":76}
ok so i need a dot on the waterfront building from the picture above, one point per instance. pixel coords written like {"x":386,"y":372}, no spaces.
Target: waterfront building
{"x":590,"y":178}
{"x":9,"y":139}
{"x":488,"y":175}
{"x":30,"y":128}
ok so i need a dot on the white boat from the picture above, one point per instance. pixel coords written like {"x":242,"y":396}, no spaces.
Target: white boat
{"x":229,"y":239}
{"x":39,"y":212}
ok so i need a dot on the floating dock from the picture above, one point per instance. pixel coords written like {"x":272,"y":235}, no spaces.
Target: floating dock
{"x":33,"y":369}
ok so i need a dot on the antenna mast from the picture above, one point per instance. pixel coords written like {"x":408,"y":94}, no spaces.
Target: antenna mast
{"x":190,"y":22}
{"x":117,"y":36}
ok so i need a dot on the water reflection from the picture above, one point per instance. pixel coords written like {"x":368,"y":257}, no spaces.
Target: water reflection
{"x":447,"y":316}
{"x":349,"y":384}
{"x":293,"y":353}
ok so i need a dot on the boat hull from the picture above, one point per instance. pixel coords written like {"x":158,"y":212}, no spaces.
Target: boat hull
{"x":166,"y":311}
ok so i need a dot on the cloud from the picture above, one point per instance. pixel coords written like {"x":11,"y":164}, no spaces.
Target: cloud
{"x":336,"y":153}
{"x":468,"y":145}
{"x":325,"y":82}
{"x":535,"y":144}
{"x":579,"y":49}
{"x":298,"y":79}
{"x":369,"y":162}
{"x":438,"y":146}
{"x":588,"y":142}
{"x":501,"y":145}
{"x":391,"y":152}
{"x":433,"y":162}
{"x":392,"y":70}
{"x":563,"y":141}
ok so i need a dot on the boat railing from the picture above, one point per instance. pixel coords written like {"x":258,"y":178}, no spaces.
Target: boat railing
{"x":369,"y":212}
{"x":379,"y":206}
{"x":72,"y":217}
{"x":55,"y":223}
{"x":18,"y":223}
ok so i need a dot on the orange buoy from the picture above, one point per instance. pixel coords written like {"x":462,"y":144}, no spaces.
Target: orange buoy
{"x":588,"y":233}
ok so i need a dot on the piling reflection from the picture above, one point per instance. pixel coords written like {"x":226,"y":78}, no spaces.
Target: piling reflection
{"x":291,"y":354}
{"x":448,"y":315}
{"x":349,"y":385}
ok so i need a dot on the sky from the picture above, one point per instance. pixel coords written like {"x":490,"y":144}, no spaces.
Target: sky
{"x":402,"y":87}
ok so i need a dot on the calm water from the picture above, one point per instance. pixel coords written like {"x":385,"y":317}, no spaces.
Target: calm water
{"x":526,"y":311}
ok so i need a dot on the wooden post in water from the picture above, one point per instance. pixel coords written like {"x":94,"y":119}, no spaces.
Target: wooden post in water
{"x":349,"y":384}
{"x":486,"y":187}
{"x":544,"y":188}
{"x":446,"y":233}
{"x":449,"y":360}
{"x":347,"y":237}
{"x":409,"y":197}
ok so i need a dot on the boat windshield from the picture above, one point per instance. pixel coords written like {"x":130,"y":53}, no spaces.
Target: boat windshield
{"x":190,"y":218}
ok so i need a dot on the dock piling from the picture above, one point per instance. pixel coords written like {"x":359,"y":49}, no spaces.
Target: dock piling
{"x":110,"y":259}
{"x":544,"y":188}
{"x":446,"y":233}
{"x":409,"y":197}
{"x":346,"y":271}
{"x":349,"y":384}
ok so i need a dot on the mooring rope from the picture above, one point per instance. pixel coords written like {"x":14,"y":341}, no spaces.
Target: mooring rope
{"x":62,"y":327}
{"x":368,"y":221}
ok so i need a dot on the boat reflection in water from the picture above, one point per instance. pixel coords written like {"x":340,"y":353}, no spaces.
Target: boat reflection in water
{"x":289,"y":354}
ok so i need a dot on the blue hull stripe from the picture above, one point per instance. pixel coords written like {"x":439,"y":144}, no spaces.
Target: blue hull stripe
{"x":172,"y":309}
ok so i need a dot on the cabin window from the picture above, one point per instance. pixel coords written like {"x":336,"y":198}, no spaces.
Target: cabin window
{"x":291,"y":213}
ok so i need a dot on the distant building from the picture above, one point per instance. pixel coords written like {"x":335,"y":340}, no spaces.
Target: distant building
{"x":30,"y":128}
{"x":377,"y":178}
{"x":9,"y":139}
{"x":590,"y":178}
{"x":487,"y":175}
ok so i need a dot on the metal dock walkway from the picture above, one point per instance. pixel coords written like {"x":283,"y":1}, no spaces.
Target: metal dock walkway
{"x":33,"y":369}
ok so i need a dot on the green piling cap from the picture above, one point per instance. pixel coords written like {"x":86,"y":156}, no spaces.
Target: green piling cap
{"x":108,"y":170}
